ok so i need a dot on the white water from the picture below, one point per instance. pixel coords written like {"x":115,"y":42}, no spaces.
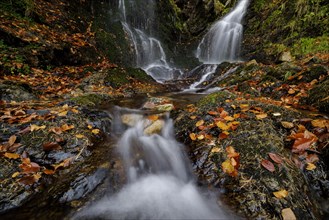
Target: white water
{"x":160,"y":184}
{"x":223,"y":40}
{"x":149,"y":52}
{"x":221,"y":43}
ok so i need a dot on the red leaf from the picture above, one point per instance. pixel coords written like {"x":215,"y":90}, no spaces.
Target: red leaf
{"x":276,"y":158}
{"x":268,"y":165}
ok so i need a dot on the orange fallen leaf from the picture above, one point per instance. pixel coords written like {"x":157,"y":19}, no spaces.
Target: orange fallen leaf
{"x":287,"y":124}
{"x":49,"y":146}
{"x":67,"y":127}
{"x":193,"y":136}
{"x":212,"y":113}
{"x":222,"y":126}
{"x":193,"y":117}
{"x":229,"y":118}
{"x":153,"y":117}
{"x":36,"y":127}
{"x":49,"y":172}
{"x":12,"y":155}
{"x":321,"y":123}
{"x":281,"y":194}
{"x":268,"y":165}
{"x":56,"y":130}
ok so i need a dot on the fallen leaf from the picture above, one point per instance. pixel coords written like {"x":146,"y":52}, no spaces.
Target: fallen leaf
{"x":66,"y":127}
{"x":28,"y":180}
{"x":268,"y":165}
{"x":224,"y":135}
{"x":229,"y":118}
{"x":276,"y":158}
{"x":49,"y":146}
{"x":261,"y":116}
{"x":90,"y":126}
{"x":95,"y":131}
{"x":199,"y":123}
{"x":12,"y":140}
{"x":213,"y":113}
{"x":287,"y":124}
{"x":281,"y":194}
{"x":56,"y":130}
{"x":231,"y":152}
{"x":80,"y":136}
{"x":15,"y":174}
{"x":76,"y":111}
{"x":153,"y":117}
{"x":222,"y":126}
{"x":276,"y":114}
{"x":29,"y":167}
{"x":310,"y":166}
{"x":36,"y":127}
{"x":200,"y":137}
{"x":215,"y":150}
{"x":49,"y":172}
{"x":288,"y":214}
{"x":193,"y":117}
{"x":193,"y":136}
{"x":321,"y":123}
{"x":228,"y":167}
{"x":12,"y":155}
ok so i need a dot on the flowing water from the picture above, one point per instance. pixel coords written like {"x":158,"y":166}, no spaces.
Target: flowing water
{"x":160,"y":184}
{"x":138,"y":20}
{"x":221,"y":43}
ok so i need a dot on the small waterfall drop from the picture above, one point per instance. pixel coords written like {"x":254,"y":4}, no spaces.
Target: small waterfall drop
{"x":222,"y":42}
{"x":137,"y":21}
{"x":159,"y":179}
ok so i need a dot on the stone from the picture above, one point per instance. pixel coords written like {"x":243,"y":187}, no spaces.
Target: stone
{"x":286,"y":57}
{"x":154,"y":128}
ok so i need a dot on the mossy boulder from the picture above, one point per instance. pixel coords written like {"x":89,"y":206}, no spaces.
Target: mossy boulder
{"x":13,"y":91}
{"x":319,"y":96}
{"x":250,"y":192}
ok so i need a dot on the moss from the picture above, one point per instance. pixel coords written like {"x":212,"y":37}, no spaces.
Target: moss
{"x":91,"y":99}
{"x":318,"y":96}
{"x":215,"y":98}
{"x":306,"y":46}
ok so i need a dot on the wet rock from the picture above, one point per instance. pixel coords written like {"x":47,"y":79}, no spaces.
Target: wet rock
{"x":286,"y":57}
{"x":11,"y":91}
{"x":84,"y":185}
{"x":154,"y":128}
{"x":131,"y":119}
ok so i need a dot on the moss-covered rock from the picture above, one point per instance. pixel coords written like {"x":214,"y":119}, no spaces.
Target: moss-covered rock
{"x":319,"y":96}
{"x":12,"y":91}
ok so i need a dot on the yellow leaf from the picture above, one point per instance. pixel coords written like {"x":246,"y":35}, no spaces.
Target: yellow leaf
{"x":12,"y":156}
{"x":193,"y":117}
{"x":215,"y":150}
{"x":90,"y":127}
{"x":310,"y":166}
{"x":261,"y":116}
{"x":229,"y":118}
{"x":222,"y":126}
{"x":280,"y":194}
{"x":36,"y":127}
{"x":15,"y":174}
{"x":80,"y":136}
{"x":66,"y":106}
{"x":199,"y":123}
{"x":227,"y":166}
{"x":62,"y":113}
{"x":95,"y":131}
{"x":200,"y":137}
{"x":193,"y":136}
{"x":66,"y":127}
{"x":288,"y":214}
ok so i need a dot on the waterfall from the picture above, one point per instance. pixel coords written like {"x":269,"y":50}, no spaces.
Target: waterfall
{"x":137,"y":21}
{"x":159,"y":179}
{"x":222,"y":42}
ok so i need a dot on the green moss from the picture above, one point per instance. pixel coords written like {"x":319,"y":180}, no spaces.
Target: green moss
{"x":215,"y":98}
{"x":90,"y":99}
{"x":318,"y":96}
{"x":311,"y":45}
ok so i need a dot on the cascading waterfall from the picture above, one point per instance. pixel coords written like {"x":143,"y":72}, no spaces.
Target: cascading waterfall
{"x":150,"y":55}
{"x":160,"y":183}
{"x":222,"y":42}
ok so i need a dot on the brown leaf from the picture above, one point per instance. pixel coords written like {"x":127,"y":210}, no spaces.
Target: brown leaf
{"x":66,"y":127}
{"x":322,"y":123}
{"x":29,"y":167}
{"x":12,"y":156}
{"x":268,"y":165}
{"x":287,"y":124}
{"x":12,"y":140}
{"x":49,"y":172}
{"x":27,"y":180}
{"x":213,"y":113}
{"x":276,"y":158}
{"x":49,"y":146}
{"x":261,"y":116}
{"x":56,"y":130}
